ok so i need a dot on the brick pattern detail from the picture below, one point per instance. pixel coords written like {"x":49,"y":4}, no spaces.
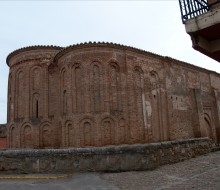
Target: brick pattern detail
{"x":100,"y":94}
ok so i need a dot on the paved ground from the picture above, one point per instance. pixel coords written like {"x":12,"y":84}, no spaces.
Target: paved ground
{"x":199,"y":173}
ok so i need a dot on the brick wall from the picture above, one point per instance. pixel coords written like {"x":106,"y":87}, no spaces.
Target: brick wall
{"x":100,"y":94}
{"x":3,"y":140}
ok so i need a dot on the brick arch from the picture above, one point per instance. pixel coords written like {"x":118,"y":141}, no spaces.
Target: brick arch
{"x":154,"y":79}
{"x":13,"y":141}
{"x":63,"y":90}
{"x":122,"y":128}
{"x":156,"y":119}
{"x":96,"y":87}
{"x":46,"y":135}
{"x":36,"y":82}
{"x":114,"y":64}
{"x":27,"y":136}
{"x":77,"y":85}
{"x":108,"y":131}
{"x":208,"y":125}
{"x":20,"y":93}
{"x":138,"y":69}
{"x":114,"y":86}
{"x":36,"y":77}
{"x":63,"y":77}
{"x":70,"y":134}
{"x":87,"y":132}
{"x":140,"y":121}
{"x":97,"y":60}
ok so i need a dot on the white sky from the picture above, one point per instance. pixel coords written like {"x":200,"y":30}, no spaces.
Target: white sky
{"x":154,"y":26}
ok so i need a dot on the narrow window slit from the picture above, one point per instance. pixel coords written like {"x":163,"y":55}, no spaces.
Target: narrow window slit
{"x":37,"y":109}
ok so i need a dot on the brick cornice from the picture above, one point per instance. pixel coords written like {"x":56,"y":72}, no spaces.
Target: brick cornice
{"x":102,"y":44}
{"x":63,"y":51}
{"x":30,"y":48}
{"x":127,"y":48}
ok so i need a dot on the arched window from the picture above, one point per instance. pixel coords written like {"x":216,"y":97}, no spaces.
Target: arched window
{"x":35,"y":105}
{"x":37,"y":109}
{"x":63,"y":92}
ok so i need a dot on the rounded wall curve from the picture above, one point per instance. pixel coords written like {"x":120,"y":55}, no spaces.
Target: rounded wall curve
{"x":28,"y":90}
{"x":98,"y":86}
{"x":89,"y":95}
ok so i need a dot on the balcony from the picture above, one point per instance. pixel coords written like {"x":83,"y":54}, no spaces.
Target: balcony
{"x":202,"y":23}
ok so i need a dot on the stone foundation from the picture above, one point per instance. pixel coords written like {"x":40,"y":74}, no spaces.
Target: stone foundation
{"x":107,"y":159}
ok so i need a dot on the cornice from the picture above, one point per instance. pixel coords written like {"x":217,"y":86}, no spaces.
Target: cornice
{"x":127,"y":48}
{"x":102,"y":44}
{"x":62,"y":51}
{"x":30,"y":48}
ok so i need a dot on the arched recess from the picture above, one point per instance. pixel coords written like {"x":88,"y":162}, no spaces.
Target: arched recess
{"x":156,"y":119}
{"x":87,"y":132}
{"x":36,"y":105}
{"x":13,"y":137}
{"x":27,"y":135}
{"x":114,"y":87}
{"x":70,"y":134}
{"x":108,"y":131}
{"x":96,"y":87}
{"x":64,"y":102}
{"x":20,"y":94}
{"x":46,"y":135}
{"x":77,"y":88}
{"x":63,"y":78}
{"x":122,"y":131}
{"x":207,"y":126}
{"x":63,"y":90}
{"x":139,"y":100}
{"x":10,"y":99}
{"x":36,"y":78}
{"x":36,"y":86}
{"x":154,"y":79}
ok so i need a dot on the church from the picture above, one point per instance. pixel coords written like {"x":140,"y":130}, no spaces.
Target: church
{"x":99,"y":94}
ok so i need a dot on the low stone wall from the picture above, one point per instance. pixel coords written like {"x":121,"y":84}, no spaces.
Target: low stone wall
{"x":110,"y":159}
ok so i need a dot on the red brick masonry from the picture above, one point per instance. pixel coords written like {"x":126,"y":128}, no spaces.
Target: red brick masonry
{"x":3,"y":143}
{"x":98,"y":94}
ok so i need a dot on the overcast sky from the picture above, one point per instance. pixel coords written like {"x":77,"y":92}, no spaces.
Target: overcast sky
{"x":154,"y":26}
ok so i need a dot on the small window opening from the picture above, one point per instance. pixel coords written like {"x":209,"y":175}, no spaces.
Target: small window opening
{"x":37,"y":109}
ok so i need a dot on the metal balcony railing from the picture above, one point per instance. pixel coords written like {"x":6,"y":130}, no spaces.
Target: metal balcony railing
{"x":192,"y":8}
